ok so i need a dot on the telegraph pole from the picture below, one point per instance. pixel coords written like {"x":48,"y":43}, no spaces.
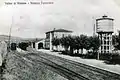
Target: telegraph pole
{"x":2,"y":67}
{"x":94,"y":26}
{"x":9,"y":40}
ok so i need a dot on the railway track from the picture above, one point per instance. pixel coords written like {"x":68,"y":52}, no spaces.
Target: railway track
{"x":93,"y":73}
{"x":69,"y":72}
{"x":70,"y":75}
{"x":104,"y":72}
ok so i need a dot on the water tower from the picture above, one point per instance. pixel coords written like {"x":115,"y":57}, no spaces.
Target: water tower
{"x":104,"y":28}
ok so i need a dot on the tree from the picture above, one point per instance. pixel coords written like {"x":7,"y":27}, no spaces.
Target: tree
{"x":116,"y":41}
{"x":82,"y":41}
{"x":71,"y":41}
{"x":65,"y":42}
{"x":23,"y":45}
{"x":94,"y":43}
{"x":56,"y":42}
{"x":76,"y":43}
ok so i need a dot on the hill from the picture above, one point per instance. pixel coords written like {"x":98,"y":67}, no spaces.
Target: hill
{"x":17,"y":39}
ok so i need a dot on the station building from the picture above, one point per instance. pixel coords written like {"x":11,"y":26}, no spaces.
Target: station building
{"x":56,"y":33}
{"x":38,"y":44}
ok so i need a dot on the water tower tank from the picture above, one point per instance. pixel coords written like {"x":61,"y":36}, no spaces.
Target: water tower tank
{"x":104,"y":24}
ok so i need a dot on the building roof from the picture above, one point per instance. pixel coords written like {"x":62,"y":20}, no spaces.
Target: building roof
{"x":34,"y":40}
{"x":59,"y":30}
{"x":104,"y":17}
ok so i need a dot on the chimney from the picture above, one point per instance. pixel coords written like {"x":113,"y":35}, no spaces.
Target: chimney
{"x":54,"y":29}
{"x":104,"y":16}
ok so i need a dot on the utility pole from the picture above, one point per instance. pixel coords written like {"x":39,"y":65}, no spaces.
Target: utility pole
{"x":9,"y":40}
{"x":8,"y":50}
{"x":94,"y":26}
{"x":98,"y":56}
{"x":94,"y":33}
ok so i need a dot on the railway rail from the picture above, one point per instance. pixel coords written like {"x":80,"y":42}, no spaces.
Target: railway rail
{"x":75,"y":71}
{"x":70,"y":75}
{"x":102,"y":71}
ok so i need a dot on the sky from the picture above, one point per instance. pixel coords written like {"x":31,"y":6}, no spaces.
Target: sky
{"x":31,"y":21}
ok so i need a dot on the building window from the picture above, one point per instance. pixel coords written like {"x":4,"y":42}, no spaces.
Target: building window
{"x":48,"y":36}
{"x":104,"y":47}
{"x":101,"y":47}
{"x":107,"y":42}
{"x":101,"y":51}
{"x":104,"y":51}
{"x":105,"y":37}
{"x":104,"y":42}
{"x":108,"y":47}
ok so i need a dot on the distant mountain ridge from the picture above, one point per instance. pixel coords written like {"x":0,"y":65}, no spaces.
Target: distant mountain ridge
{"x":6,"y":37}
{"x":17,"y":39}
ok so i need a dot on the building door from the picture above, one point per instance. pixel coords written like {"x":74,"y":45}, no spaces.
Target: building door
{"x":40,"y":45}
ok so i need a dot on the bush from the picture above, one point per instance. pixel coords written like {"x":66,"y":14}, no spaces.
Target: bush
{"x":13,"y":46}
{"x":105,"y":56}
{"x":65,"y":52}
{"x":115,"y":58}
{"x":91,"y":55}
{"x":23,"y":45}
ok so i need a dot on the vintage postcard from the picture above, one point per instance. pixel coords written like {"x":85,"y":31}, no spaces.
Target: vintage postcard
{"x":59,"y":39}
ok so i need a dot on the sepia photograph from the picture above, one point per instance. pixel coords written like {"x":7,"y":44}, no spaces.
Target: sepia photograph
{"x":59,"y":39}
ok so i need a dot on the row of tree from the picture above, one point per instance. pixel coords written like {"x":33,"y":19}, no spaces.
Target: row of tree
{"x":21,"y":45}
{"x":78,"y":42}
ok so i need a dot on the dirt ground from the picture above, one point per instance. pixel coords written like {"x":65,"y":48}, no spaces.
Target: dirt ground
{"x":18,"y":69}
